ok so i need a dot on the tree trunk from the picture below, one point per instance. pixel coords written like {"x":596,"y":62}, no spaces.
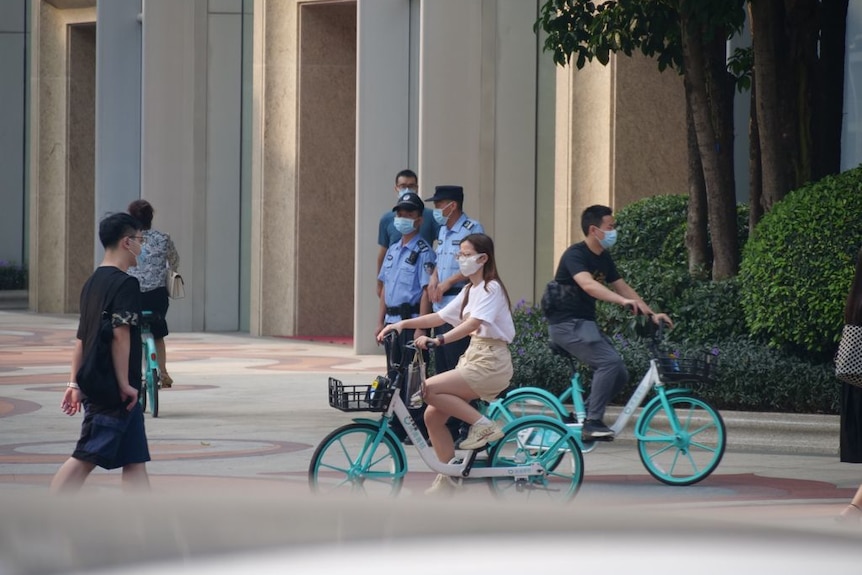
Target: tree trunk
{"x":801,"y":31}
{"x":828,"y":112}
{"x":711,"y":106}
{"x":755,"y":174}
{"x":767,"y":18}
{"x":696,"y":229}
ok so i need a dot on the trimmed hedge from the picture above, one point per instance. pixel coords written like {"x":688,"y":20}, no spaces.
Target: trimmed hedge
{"x":12,"y":276}
{"x":752,"y":377}
{"x":797,"y":269}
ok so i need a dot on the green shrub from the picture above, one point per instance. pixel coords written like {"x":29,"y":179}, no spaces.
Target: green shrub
{"x":12,"y":276}
{"x":797,"y":269}
{"x":653,"y":230}
{"x":645,"y":225}
{"x":753,"y":376}
{"x":756,"y":377}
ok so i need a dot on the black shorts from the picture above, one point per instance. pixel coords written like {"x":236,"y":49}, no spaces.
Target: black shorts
{"x":157,"y":302}
{"x":112,"y":440}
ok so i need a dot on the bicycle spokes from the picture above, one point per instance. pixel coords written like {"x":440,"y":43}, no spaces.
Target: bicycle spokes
{"x":682,"y":446}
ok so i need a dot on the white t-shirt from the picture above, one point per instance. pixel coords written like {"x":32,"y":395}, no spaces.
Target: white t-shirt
{"x":489,"y":305}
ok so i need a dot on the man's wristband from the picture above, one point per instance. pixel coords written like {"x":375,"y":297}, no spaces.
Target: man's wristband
{"x":441,"y":339}
{"x":73,"y":385}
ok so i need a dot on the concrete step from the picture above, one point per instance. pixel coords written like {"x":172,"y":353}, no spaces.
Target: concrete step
{"x":14,"y":299}
{"x":758,"y":432}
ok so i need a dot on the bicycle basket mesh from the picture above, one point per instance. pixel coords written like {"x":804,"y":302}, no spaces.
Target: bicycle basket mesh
{"x":374,"y":397}
{"x":702,"y":368}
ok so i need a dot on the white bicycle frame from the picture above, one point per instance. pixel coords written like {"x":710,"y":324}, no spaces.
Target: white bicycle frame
{"x":426,"y":452}
{"x":649,"y":381}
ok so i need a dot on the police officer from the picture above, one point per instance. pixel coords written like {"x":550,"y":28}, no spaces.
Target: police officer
{"x":405,"y":181}
{"x":446,"y":280}
{"x":406,"y":269}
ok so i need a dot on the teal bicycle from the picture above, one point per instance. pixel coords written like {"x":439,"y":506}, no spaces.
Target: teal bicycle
{"x":680,"y":437}
{"x":366,"y":456}
{"x":150,"y":375}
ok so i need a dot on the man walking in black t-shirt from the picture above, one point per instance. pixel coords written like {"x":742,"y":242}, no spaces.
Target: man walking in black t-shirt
{"x":112,"y":433}
{"x":588,"y":269}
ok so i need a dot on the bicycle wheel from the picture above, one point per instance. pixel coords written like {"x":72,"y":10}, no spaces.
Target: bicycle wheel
{"x":523,"y":404}
{"x":689,"y":454}
{"x":153,"y":391}
{"x":348,"y":461}
{"x":544,"y":441}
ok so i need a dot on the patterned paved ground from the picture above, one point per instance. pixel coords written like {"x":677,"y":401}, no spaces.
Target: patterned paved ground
{"x":214,"y":434}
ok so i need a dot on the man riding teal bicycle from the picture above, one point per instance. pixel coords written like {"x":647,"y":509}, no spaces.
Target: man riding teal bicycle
{"x":585,"y":271}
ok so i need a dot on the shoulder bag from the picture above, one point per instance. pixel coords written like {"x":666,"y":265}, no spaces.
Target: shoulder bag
{"x":415,"y":381}
{"x":176,"y":286}
{"x":96,"y":376}
{"x":848,"y":360}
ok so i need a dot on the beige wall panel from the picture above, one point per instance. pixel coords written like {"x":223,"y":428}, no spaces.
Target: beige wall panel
{"x":80,"y":218}
{"x":274,"y":233}
{"x":584,"y":147}
{"x":649,"y":131}
{"x":50,"y":285}
{"x":326,"y":170}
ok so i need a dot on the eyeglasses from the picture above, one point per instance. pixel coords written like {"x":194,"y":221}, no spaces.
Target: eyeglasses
{"x":139,"y":239}
{"x":459,"y":256}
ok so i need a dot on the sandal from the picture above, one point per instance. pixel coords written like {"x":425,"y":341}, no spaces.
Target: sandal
{"x":167,"y":380}
{"x":851,"y":514}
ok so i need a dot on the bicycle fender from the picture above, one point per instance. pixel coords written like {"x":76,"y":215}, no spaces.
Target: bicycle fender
{"x":669,"y":393}
{"x":389,"y":432}
{"x":553,"y":399}
{"x":536,"y":419}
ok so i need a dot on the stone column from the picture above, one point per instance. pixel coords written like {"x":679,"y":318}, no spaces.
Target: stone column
{"x":382,"y":142}
{"x":118,"y":107}
{"x":173,"y":166}
{"x":13,"y":46}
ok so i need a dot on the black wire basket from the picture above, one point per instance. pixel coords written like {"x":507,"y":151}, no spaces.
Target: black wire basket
{"x":374,"y":397}
{"x":703,"y":368}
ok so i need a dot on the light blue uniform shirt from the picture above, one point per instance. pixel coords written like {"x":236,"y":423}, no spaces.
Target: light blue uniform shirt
{"x":448,"y":246}
{"x":406,"y":270}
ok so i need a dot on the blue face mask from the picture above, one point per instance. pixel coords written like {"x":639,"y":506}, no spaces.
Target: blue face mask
{"x":404,"y":225}
{"x":402,"y":191}
{"x":440,"y":217}
{"x":609,"y":240}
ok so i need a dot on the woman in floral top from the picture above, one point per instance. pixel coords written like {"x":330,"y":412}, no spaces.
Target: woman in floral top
{"x":159,"y":255}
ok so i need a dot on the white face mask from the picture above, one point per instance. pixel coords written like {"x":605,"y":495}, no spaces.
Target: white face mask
{"x":468,"y":265}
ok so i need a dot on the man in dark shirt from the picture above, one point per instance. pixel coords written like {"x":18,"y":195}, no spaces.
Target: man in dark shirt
{"x":587,"y":269}
{"x":112,"y":433}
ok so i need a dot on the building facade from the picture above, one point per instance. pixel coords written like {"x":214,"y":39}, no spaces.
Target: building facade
{"x":267,"y":135}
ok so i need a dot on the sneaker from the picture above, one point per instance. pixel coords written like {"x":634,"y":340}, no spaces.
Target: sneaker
{"x":481,"y":435}
{"x":595,"y":429}
{"x":167,"y":380}
{"x":443,"y":485}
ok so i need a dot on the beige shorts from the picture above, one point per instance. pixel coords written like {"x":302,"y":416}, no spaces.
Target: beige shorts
{"x":487,"y":366}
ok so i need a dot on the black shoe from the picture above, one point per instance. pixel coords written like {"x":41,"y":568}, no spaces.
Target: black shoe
{"x":594,"y":429}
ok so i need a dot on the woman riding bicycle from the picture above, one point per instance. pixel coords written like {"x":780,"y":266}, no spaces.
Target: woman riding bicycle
{"x":482,"y":310}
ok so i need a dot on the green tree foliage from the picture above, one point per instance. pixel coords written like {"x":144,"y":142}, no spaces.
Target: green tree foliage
{"x":688,"y":35}
{"x":798,"y":267}
{"x":650,"y":254}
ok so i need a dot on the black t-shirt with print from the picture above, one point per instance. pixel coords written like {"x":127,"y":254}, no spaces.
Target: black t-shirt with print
{"x":576,"y":259}
{"x":124,"y":308}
